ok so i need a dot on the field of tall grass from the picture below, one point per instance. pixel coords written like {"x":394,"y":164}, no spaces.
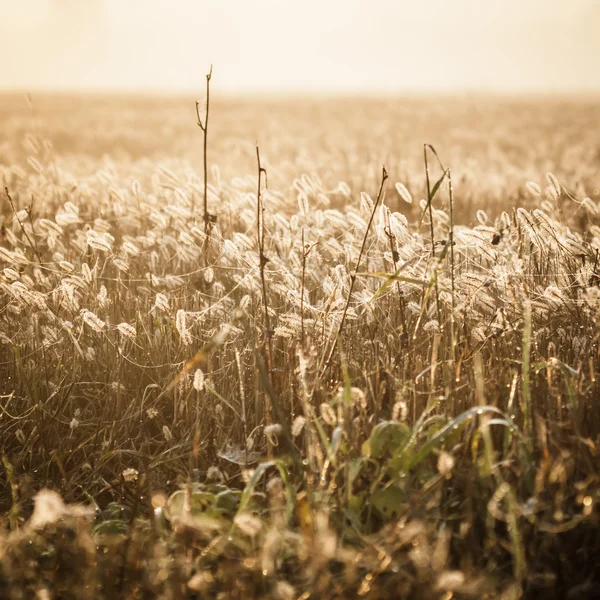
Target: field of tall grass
{"x":359,"y":359}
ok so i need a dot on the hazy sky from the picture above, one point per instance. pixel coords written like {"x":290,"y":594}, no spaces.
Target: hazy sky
{"x":332,"y":45}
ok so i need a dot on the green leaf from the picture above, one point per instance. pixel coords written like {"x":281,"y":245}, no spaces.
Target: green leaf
{"x":449,"y":429}
{"x":228,"y":501}
{"x":110,"y":529}
{"x":439,"y":182}
{"x":436,"y":187}
{"x":390,"y":502}
{"x":356,"y":502}
{"x":281,"y":466}
{"x":386,"y":438}
{"x":390,"y":278}
{"x":200,"y":503}
{"x":401,"y":461}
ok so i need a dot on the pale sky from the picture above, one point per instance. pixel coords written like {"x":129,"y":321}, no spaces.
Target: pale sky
{"x":354,"y":46}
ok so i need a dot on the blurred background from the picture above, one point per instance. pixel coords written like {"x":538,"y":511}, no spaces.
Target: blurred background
{"x":506,"y":90}
{"x":313,"y":45}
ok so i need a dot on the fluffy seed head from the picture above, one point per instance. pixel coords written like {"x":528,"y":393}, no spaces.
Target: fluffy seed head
{"x":404,"y":193}
{"x":127,"y":330}
{"x":93,"y":321}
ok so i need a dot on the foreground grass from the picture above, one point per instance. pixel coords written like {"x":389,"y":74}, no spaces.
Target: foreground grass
{"x":418,"y":419}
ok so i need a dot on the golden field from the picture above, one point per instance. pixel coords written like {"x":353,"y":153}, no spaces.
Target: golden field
{"x":348,"y":382}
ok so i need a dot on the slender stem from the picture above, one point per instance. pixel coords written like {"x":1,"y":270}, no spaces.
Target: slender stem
{"x":451,"y":242}
{"x":30,"y":217}
{"x":302,"y":292}
{"x":242,"y":402}
{"x":525,"y":374}
{"x":429,"y":200}
{"x":384,"y":176}
{"x":263,"y":260}
{"x":391,"y":238}
{"x":204,"y":128}
{"x":430,"y":208}
{"x":31,"y":243}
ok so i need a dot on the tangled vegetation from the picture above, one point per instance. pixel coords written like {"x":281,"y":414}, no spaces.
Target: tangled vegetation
{"x":303,"y":375}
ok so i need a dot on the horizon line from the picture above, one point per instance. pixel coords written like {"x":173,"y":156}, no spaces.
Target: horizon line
{"x":590,"y":92}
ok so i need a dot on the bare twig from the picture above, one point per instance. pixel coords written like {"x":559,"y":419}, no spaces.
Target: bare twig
{"x":208,"y":218}
{"x":263,"y":260}
{"x":260,"y":227}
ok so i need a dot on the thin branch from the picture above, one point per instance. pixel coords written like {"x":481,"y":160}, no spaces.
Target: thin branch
{"x":208,"y":218}
{"x":263,"y":260}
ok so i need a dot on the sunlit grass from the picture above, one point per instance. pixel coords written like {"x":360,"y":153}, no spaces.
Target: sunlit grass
{"x":366,"y":396}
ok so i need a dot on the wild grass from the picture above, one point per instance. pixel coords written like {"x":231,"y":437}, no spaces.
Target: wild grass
{"x":319,"y":395}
